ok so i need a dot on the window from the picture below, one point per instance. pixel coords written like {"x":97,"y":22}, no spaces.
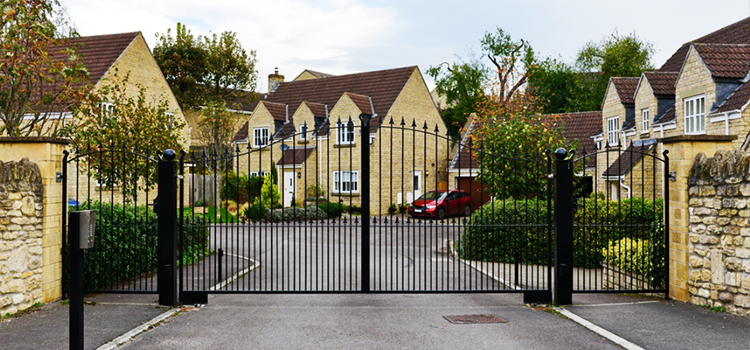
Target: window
{"x":645,"y":118}
{"x":303,"y":132}
{"x":613,"y":131}
{"x":106,"y":110}
{"x":260,"y":137}
{"x":695,"y":118}
{"x":344,"y":133}
{"x":346,"y":181}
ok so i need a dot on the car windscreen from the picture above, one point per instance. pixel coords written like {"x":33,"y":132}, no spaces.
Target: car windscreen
{"x":431,"y":196}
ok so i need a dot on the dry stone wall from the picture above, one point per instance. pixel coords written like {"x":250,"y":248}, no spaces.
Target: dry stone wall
{"x":21,"y":232}
{"x":719,"y":239}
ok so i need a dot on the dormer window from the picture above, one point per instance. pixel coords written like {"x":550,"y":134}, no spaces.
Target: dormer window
{"x":613,"y":131}
{"x":645,"y":119}
{"x":695,"y":115}
{"x":344,"y":133}
{"x":260,"y":137}
{"x":303,"y":132}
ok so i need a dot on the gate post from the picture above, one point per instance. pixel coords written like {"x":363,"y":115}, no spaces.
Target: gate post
{"x":562,"y":287}
{"x":167,"y":229}
{"x":365,"y":164}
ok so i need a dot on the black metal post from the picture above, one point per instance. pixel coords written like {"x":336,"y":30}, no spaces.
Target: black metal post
{"x":219,"y":264}
{"x":562,"y":290}
{"x":167,"y":228}
{"x":76,"y":282}
{"x":667,"y":179}
{"x":515,"y":268}
{"x":365,"y":163}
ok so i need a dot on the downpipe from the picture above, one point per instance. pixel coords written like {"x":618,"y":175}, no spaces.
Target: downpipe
{"x":622,"y":184}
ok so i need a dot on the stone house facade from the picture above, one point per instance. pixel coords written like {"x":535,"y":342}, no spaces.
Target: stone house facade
{"x":309,"y":129}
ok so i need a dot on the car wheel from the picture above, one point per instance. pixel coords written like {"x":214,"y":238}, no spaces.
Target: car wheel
{"x":467,"y":210}
{"x":441,"y":213}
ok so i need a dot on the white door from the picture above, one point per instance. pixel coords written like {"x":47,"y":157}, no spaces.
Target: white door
{"x":289,"y":187}
{"x":417,"y":184}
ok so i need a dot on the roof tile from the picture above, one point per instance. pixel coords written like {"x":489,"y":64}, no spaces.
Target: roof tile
{"x":625,"y":87}
{"x":662,"y":83}
{"x":737,"y":100}
{"x":735,"y":33}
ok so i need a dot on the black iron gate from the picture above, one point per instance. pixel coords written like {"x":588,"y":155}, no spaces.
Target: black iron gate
{"x":373,"y":206}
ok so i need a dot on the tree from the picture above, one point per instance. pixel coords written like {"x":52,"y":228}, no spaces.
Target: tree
{"x":461,"y":84}
{"x":115,"y":118}
{"x":216,"y":126}
{"x":40,"y":74}
{"x":581,"y":87}
{"x":183,"y":61}
{"x":202,"y":70}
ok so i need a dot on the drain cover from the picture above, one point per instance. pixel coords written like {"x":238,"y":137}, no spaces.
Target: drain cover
{"x":467,"y":319}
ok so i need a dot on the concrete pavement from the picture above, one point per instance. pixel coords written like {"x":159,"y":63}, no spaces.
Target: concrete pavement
{"x":383,"y":321}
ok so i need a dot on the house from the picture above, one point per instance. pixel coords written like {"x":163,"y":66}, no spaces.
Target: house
{"x":311,"y":131}
{"x":701,"y":92}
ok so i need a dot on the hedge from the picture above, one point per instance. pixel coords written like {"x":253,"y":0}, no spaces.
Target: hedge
{"x":510,"y":230}
{"x":125,"y":245}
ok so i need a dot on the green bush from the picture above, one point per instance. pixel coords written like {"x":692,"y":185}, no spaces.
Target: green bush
{"x":332,"y":210}
{"x":240,"y":188}
{"x":631,"y":255}
{"x":504,"y":229}
{"x":295,"y":214}
{"x":256,"y":212}
{"x":125,"y":245}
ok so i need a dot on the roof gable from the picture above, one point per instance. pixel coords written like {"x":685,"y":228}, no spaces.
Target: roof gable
{"x":662,"y":83}
{"x":277,"y":110}
{"x":725,"y":60}
{"x":625,"y":87}
{"x":382,"y":86}
{"x":98,"y":53}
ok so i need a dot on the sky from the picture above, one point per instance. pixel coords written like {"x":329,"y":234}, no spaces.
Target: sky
{"x":352,"y":36}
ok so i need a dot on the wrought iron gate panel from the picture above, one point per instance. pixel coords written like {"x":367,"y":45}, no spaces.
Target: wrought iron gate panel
{"x":117,"y":183}
{"x":620,"y":230}
{"x":303,"y":253}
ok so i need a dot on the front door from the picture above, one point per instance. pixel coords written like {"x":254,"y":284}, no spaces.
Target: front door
{"x":289,"y":187}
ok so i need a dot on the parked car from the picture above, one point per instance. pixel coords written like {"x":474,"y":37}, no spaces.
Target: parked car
{"x":441,"y":203}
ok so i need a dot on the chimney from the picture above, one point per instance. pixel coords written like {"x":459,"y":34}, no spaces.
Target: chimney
{"x":274,"y":80}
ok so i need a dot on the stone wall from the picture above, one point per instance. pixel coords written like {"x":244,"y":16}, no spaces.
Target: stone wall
{"x":719,"y":239}
{"x":21,"y":236}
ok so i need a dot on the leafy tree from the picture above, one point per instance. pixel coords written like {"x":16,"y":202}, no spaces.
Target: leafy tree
{"x":202,"y":70}
{"x":461,"y":84}
{"x":581,"y":87}
{"x":40,"y":74}
{"x":215,"y":128}
{"x":513,"y":61}
{"x":116,"y":118}
{"x":183,"y":61}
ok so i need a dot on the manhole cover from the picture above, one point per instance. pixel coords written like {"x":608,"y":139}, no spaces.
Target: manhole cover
{"x":465,"y":319}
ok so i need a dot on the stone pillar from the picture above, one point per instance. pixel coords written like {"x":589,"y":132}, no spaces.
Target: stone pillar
{"x":682,"y":152}
{"x":46,"y":152}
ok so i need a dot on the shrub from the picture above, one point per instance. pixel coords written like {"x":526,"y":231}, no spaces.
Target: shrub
{"x":630,"y":255}
{"x":505,"y":229}
{"x":332,"y":210}
{"x":256,"y":212}
{"x":240,"y":188}
{"x":295,"y":214}
{"x":126,"y":243}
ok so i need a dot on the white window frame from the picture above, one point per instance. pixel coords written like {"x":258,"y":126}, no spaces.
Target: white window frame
{"x":106,"y":109}
{"x":613,"y":131}
{"x":645,"y":118}
{"x":260,"y":137}
{"x":346,"y":181}
{"x":695,"y":115}
{"x":303,"y":132}
{"x":344,"y":135}
{"x":260,"y":173}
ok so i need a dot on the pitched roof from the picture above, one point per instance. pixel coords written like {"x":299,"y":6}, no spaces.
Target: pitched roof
{"x":277,"y":110}
{"x":318,"y":109}
{"x":735,"y":33}
{"x":295,"y":156}
{"x":662,"y":83}
{"x":98,"y":52}
{"x":286,"y":131}
{"x":625,"y":87}
{"x":581,"y":126}
{"x":314,"y":74}
{"x":725,"y":60}
{"x":626,"y":160}
{"x":737,"y":100}
{"x":382,"y":86}
{"x":242,"y":133}
{"x":362,"y":102}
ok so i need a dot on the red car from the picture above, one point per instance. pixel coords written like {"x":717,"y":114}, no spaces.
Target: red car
{"x":441,"y":203}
